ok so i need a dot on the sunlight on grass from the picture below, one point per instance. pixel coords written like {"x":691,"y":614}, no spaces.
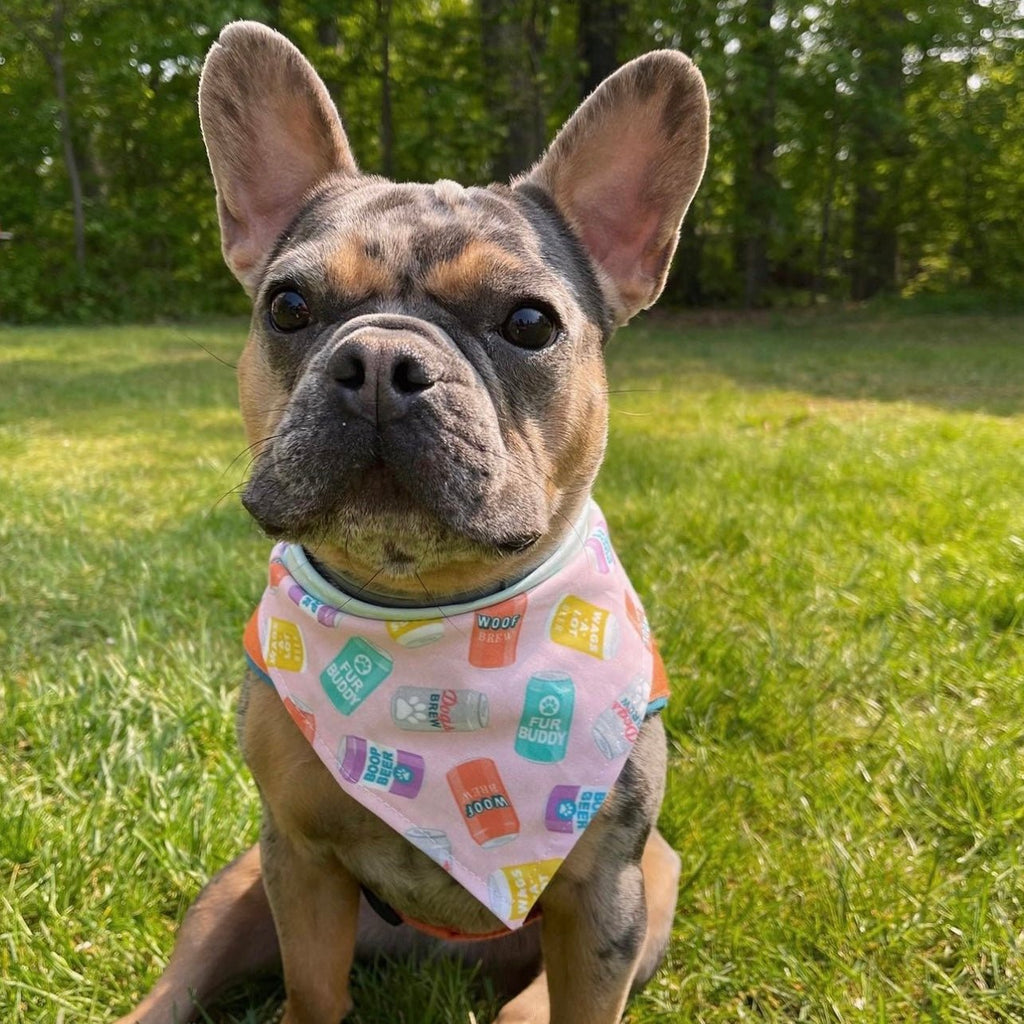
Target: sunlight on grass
{"x":825,"y":519}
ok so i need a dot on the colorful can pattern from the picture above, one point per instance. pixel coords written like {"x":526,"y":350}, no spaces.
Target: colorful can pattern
{"x":283,"y":647}
{"x":379,"y":767}
{"x":354,"y":673}
{"x":302,"y":716}
{"x":585,"y":627}
{"x":599,"y":551}
{"x":483,"y":801}
{"x":616,"y":729}
{"x":323,"y":613}
{"x":413,"y":633}
{"x":513,"y":890}
{"x":495,"y":634}
{"x":277,"y":573}
{"x":432,"y":709}
{"x":434,"y":842}
{"x":571,"y":808}
{"x":543,"y":733}
{"x":638,"y":617}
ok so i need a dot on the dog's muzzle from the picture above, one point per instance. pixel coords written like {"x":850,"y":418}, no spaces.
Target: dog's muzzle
{"x":381,"y":365}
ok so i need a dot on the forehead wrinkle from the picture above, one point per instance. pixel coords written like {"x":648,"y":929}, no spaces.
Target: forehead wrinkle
{"x":302,"y":264}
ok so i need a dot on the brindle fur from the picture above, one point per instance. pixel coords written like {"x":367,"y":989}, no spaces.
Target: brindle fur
{"x":430,"y":493}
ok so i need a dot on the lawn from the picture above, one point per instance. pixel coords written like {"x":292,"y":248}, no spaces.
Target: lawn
{"x":825,"y":517}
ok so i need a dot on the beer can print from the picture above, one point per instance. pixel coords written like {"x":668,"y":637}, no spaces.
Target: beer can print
{"x":354,"y":673}
{"x":513,"y":890}
{"x":434,"y":842}
{"x":302,"y":716}
{"x":483,"y":801}
{"x":277,"y":573}
{"x":495,"y":634}
{"x":585,"y":627}
{"x":617,"y":728}
{"x":543,"y":732}
{"x":323,"y":613}
{"x":415,"y":632}
{"x":638,"y":618}
{"x":379,"y":767}
{"x":571,"y":808}
{"x":434,"y":709}
{"x":283,"y":647}
{"x":599,"y":551}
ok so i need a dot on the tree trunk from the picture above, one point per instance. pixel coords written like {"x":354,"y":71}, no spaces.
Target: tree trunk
{"x":879,"y":143}
{"x":827,"y":199}
{"x":755,"y":180}
{"x":600,"y":28}
{"x":53,"y":53}
{"x":512,"y":43}
{"x":387,"y":134}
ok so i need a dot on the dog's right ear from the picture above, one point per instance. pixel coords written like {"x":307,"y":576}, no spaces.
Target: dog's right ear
{"x":271,"y":132}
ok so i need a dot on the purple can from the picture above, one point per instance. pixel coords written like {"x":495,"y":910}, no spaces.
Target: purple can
{"x":323,"y":613}
{"x":572,"y":808}
{"x":379,"y":767}
{"x":599,"y":551}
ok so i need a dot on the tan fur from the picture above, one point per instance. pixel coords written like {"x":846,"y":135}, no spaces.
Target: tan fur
{"x":479,"y":263}
{"x":261,"y":398}
{"x":355,"y":275}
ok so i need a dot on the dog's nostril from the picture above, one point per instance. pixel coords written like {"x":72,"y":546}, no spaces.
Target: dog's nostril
{"x":409,"y":376}
{"x":348,"y":370}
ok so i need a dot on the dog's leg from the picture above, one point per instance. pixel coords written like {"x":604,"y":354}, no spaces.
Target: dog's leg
{"x":227,"y":934}
{"x":661,"y":867}
{"x":316,"y":910}
{"x":579,"y":959}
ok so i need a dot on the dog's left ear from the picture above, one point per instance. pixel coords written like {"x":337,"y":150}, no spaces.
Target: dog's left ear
{"x":624,"y":169}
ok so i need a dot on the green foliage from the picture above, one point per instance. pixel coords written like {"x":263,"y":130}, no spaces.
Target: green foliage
{"x":856,"y":146}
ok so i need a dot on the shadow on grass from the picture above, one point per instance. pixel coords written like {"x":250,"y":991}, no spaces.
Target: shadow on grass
{"x":440,"y":990}
{"x":950,"y":362}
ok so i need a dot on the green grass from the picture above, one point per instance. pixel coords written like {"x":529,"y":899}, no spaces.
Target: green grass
{"x":825,"y":516}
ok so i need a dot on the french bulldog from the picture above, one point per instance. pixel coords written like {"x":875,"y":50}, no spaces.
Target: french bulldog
{"x":424,"y":392}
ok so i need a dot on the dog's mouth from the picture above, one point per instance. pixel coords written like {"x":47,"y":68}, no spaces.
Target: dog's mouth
{"x":377,"y":530}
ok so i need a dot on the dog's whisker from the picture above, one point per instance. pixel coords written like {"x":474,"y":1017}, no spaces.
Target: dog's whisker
{"x":249,"y":449}
{"x":237,"y":489}
{"x":210,"y":352}
{"x":435,"y":604}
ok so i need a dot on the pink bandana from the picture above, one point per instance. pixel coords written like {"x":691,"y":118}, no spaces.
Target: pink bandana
{"x":488,"y":734}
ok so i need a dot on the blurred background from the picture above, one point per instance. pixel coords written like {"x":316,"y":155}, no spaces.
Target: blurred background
{"x":860,"y":147}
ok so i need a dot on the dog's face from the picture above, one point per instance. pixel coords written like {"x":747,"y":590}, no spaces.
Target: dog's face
{"x":423,"y":384}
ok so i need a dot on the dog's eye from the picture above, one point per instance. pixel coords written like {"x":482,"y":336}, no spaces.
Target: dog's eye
{"x":528,"y":328}
{"x":288,"y":311}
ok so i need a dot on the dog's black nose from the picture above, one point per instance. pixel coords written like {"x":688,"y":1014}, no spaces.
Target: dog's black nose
{"x":377,"y":376}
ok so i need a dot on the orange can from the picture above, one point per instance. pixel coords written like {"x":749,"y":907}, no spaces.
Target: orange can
{"x":638,"y":618}
{"x":496,"y":633}
{"x":484,"y":802}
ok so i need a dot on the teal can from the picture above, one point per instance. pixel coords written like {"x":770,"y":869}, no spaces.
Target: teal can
{"x":356,"y":671}
{"x":543,"y":733}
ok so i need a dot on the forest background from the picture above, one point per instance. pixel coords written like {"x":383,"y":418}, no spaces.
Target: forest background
{"x":860,"y":147}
